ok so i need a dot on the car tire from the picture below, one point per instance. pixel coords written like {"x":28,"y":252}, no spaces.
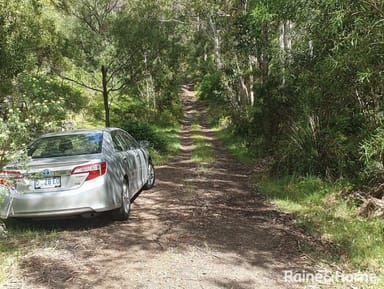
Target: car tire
{"x":122,"y":213}
{"x":151,"y":177}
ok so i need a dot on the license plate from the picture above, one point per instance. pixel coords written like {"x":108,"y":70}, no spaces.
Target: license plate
{"x":48,"y":183}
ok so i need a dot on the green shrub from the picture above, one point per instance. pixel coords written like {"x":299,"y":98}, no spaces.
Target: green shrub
{"x":321,"y":209}
{"x":312,"y":146}
{"x":211,"y":87}
{"x":168,"y":117}
{"x":372,"y":155}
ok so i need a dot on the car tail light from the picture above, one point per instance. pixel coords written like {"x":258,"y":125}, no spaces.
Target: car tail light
{"x":8,"y":177}
{"x":93,"y":170}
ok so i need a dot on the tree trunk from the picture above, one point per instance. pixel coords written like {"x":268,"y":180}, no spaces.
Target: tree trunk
{"x":264,"y":57}
{"x":282,"y":44}
{"x":104,"y":72}
{"x":285,"y":43}
{"x":251,"y":81}
{"x":216,"y":44}
{"x":243,"y":86}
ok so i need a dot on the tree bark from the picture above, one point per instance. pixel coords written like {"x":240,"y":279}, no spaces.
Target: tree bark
{"x":251,"y":81}
{"x":104,"y":72}
{"x":264,"y":57}
{"x":216,"y":42}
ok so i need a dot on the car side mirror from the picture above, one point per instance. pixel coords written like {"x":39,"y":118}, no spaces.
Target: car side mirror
{"x":144,"y":144}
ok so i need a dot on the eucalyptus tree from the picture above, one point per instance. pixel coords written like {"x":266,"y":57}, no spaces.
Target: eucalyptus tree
{"x":147,"y":40}
{"x":90,"y":46}
{"x":119,"y":46}
{"x":321,"y":86}
{"x":339,"y":78}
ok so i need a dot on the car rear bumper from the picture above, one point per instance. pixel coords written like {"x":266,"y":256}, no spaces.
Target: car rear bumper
{"x":93,"y":197}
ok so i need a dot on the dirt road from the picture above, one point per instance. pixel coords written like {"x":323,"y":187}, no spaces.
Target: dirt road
{"x":198,"y":228}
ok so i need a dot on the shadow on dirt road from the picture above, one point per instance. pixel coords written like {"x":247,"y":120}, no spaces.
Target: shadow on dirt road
{"x":200,"y":227}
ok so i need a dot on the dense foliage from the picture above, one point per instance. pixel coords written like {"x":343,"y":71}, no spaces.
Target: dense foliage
{"x":32,"y":100}
{"x":299,"y":80}
{"x":303,"y":81}
{"x":68,"y":64}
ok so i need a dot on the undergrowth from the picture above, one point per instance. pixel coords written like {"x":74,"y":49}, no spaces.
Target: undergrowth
{"x":322,"y":209}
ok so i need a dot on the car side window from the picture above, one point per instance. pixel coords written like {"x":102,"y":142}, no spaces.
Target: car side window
{"x":130,"y":141}
{"x":118,"y":144}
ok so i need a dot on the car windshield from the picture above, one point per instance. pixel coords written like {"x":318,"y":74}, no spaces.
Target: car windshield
{"x":66,"y":145}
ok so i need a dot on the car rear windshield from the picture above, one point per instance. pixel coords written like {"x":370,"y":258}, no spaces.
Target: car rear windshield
{"x":66,"y":145}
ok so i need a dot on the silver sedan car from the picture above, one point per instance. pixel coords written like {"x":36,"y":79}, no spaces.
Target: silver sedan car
{"x":80,"y":172}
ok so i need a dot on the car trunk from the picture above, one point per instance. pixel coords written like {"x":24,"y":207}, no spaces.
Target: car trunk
{"x":52,"y":174}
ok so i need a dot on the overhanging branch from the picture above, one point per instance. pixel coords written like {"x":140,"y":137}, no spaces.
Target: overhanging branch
{"x":79,"y":83}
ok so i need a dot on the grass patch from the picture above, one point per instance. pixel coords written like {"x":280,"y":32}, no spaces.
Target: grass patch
{"x":236,"y":145}
{"x":203,"y":152}
{"x":22,"y":238}
{"x":172,"y":145}
{"x":322,"y":211}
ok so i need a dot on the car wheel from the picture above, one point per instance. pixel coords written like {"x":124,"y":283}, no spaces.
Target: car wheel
{"x":122,"y":213}
{"x":151,"y":177}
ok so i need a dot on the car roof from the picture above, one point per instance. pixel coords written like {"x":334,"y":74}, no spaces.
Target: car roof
{"x":80,"y":131}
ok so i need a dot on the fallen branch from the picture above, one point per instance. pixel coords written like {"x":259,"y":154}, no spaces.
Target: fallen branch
{"x":378,"y":192}
{"x":372,"y":208}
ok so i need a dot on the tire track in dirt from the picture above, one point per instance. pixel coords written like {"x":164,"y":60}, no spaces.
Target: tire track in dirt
{"x":198,"y":228}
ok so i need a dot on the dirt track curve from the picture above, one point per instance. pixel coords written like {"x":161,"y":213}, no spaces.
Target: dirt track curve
{"x":198,"y":228}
